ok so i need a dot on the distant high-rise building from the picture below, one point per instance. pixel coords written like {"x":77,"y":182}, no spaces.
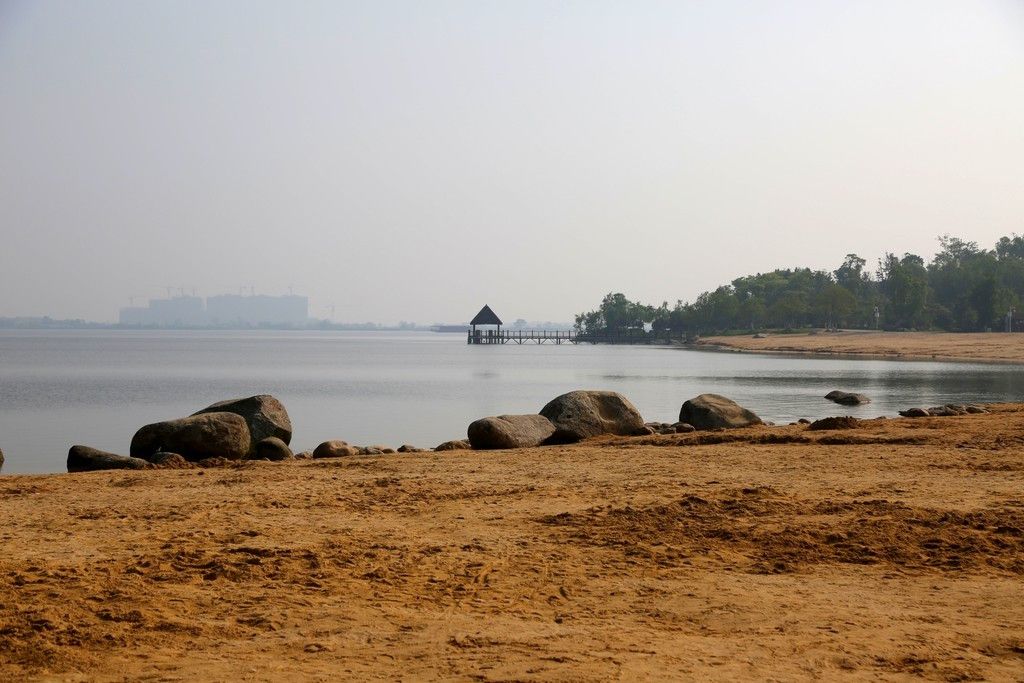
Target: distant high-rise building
{"x":230,"y":309}
{"x":220,"y":311}
{"x":179,"y":311}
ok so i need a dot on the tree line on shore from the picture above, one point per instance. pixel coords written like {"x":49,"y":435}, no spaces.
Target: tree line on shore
{"x":964,"y":288}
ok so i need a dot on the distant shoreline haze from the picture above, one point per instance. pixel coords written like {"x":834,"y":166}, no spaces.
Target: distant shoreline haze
{"x":313,"y":324}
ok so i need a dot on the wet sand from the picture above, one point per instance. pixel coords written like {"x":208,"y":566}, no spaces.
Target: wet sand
{"x":987,"y":347}
{"x":890,"y":550}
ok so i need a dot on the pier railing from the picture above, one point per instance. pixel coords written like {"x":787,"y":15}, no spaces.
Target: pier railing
{"x":522,"y":337}
{"x":627,"y":336}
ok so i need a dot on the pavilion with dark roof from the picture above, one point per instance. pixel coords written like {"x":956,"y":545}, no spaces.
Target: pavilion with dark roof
{"x":516,"y":336}
{"x":485,"y":317}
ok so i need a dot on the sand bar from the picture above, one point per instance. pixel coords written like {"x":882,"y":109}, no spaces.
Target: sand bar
{"x":948,"y":346}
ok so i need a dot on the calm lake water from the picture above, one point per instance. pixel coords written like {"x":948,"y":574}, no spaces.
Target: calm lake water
{"x":59,"y":388}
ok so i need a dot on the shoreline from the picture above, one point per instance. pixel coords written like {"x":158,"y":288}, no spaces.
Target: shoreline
{"x":846,"y":355}
{"x":944,"y":347}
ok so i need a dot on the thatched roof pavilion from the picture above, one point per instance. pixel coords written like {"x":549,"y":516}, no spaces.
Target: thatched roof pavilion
{"x":486,"y":317}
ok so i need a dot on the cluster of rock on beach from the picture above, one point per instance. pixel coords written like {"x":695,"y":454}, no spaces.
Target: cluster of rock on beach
{"x":258,"y":428}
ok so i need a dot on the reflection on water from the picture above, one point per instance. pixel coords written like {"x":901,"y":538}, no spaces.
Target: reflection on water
{"x":58,"y":388}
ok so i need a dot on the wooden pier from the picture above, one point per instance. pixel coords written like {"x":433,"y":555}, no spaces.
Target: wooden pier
{"x":487,"y":318}
{"x":522,"y":337}
{"x":570,"y":337}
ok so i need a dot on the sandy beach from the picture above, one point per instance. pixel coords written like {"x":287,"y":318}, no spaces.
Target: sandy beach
{"x":987,"y":347}
{"x":892,"y":549}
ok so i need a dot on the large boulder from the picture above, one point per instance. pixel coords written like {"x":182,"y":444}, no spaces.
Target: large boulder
{"x":510,"y":431}
{"x":846,"y":398}
{"x":1,"y":458}
{"x":210,"y":435}
{"x":264,"y":414}
{"x":85,"y":459}
{"x":711,"y":411}
{"x":581,"y":414}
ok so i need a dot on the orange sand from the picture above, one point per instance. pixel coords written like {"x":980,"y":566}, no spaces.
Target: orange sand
{"x":890,"y":550}
{"x":1008,"y":348}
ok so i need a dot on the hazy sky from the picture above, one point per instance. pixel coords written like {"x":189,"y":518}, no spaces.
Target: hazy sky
{"x":414,"y":160}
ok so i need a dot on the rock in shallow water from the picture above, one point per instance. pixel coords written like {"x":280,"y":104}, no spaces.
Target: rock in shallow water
{"x":846,"y":398}
{"x":579,"y":415}
{"x":86,"y":459}
{"x":510,"y":431}
{"x":711,"y":411}
{"x":210,"y":435}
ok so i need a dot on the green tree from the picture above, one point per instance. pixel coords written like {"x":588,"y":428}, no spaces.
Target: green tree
{"x":788,"y":309}
{"x":833,"y":304}
{"x":904,"y":282}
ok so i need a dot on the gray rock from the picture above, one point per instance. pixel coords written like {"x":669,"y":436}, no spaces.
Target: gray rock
{"x":683,"y":427}
{"x":510,"y":431}
{"x":1,"y":459}
{"x":86,"y":459}
{"x":456,"y":445}
{"x":579,"y":415}
{"x":272,"y":448}
{"x":950,"y":410}
{"x":660,"y":427}
{"x":224,"y":435}
{"x":846,"y":398}
{"x":406,"y":448}
{"x":711,"y":411}
{"x":915,"y":412}
{"x":334,"y":449}
{"x":264,"y":415}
